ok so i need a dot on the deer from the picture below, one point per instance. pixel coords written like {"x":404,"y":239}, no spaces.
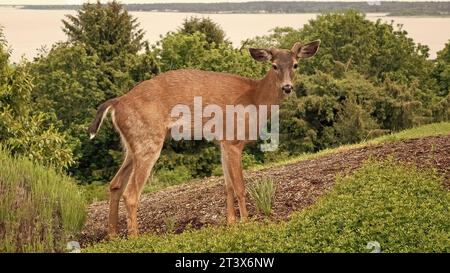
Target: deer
{"x":142,"y":119}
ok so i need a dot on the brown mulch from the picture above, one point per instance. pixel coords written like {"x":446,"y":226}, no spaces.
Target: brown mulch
{"x":298,"y":185}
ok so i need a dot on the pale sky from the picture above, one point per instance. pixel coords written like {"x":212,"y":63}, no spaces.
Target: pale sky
{"x":62,"y":2}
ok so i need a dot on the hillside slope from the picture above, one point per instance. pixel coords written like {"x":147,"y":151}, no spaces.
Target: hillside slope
{"x":298,"y":186}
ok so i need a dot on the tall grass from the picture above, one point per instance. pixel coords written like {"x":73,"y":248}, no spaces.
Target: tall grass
{"x":40,"y":209}
{"x":262,"y":192}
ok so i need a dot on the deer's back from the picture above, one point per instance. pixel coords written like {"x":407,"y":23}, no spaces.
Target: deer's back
{"x":181,"y":86}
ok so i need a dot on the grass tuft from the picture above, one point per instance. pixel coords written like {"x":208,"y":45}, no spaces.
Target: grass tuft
{"x":40,"y":209}
{"x":262,"y":193}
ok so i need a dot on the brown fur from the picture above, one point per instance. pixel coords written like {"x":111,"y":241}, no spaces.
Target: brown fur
{"x":142,"y":118}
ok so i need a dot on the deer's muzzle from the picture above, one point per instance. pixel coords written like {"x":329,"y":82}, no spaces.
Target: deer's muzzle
{"x":287,"y":88}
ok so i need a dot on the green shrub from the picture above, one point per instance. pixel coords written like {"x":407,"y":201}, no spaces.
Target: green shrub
{"x":217,"y":170}
{"x":173,"y":177}
{"x":262,"y":192}
{"x":96,"y":191}
{"x":24,"y":130}
{"x":401,"y":207}
{"x":165,"y":177}
{"x":40,"y":209}
{"x":248,"y":160}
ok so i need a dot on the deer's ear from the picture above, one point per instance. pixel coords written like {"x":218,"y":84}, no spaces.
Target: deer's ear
{"x":306,"y":51}
{"x":260,"y":54}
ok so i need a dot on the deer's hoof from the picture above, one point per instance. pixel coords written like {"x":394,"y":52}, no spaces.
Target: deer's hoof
{"x":231,"y":220}
{"x":133,"y":234}
{"x":111,"y":236}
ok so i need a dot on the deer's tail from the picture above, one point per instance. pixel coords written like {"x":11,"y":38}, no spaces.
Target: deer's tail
{"x":101,"y":114}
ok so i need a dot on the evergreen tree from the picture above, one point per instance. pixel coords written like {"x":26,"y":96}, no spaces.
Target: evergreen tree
{"x":212,"y":31}
{"x":106,"y":30}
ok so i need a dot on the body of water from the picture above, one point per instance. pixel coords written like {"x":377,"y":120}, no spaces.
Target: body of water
{"x":28,"y":30}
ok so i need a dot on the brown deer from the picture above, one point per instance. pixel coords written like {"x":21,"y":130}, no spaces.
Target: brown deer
{"x":142,"y":118}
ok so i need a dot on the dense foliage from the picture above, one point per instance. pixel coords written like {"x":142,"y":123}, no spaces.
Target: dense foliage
{"x":442,"y":70}
{"x":402,"y":208}
{"x":23,"y":129}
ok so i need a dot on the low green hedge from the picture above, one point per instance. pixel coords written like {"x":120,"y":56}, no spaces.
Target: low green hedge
{"x":40,"y":209}
{"x":399,"y":206}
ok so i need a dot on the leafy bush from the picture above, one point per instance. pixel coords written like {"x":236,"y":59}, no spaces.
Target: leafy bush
{"x":40,"y":209}
{"x":96,"y":191}
{"x":262,"y":193}
{"x":403,"y":208}
{"x":330,"y":111}
{"x":441,"y":70}
{"x":248,"y":160}
{"x":32,"y":137}
{"x":172,"y":177}
{"x":23,"y":130}
{"x":165,"y":177}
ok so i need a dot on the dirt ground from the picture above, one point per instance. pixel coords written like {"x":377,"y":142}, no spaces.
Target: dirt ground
{"x":298,"y":185}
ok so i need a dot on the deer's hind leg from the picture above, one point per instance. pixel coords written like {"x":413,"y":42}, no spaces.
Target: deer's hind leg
{"x":116,"y":189}
{"x":146,"y":152}
{"x":121,"y":179}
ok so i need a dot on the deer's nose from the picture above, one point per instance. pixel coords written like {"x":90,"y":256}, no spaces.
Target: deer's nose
{"x":287,"y":88}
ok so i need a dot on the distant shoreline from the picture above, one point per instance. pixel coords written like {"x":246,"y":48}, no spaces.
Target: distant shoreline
{"x":389,"y":8}
{"x":383,"y":14}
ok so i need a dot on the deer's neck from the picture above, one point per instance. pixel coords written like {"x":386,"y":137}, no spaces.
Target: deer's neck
{"x":267,"y":92}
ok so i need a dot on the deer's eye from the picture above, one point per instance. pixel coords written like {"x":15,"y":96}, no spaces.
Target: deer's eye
{"x":275,"y":67}
{"x":295,"y":66}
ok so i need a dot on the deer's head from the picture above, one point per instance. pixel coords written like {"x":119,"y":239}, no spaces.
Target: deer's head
{"x":284,"y":62}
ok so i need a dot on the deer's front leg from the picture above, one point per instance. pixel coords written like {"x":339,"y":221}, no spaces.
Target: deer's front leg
{"x":231,"y":214}
{"x":232,"y":167}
